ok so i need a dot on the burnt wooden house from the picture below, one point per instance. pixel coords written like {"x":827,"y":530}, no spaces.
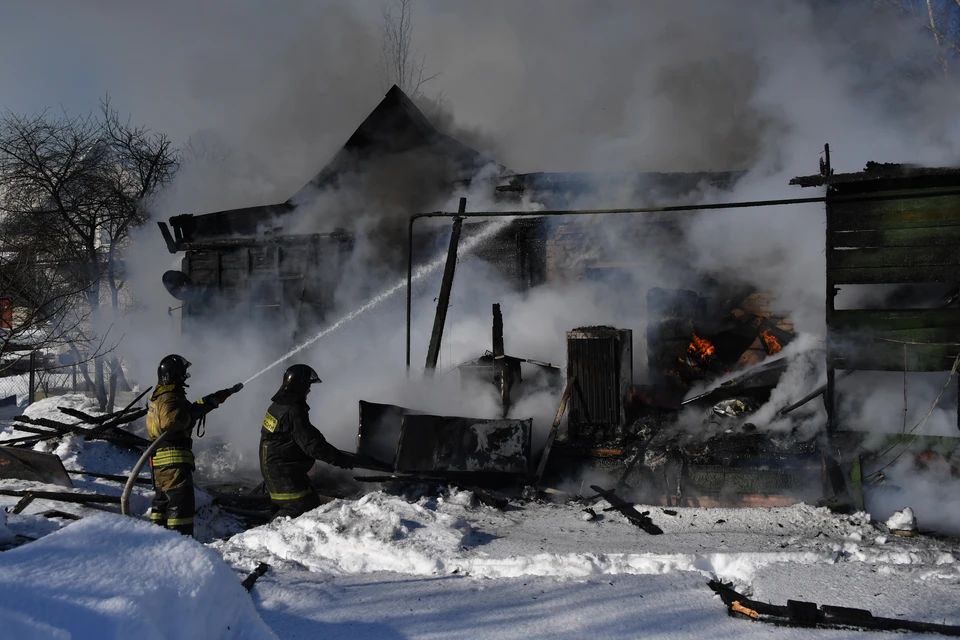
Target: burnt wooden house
{"x":245,"y":259}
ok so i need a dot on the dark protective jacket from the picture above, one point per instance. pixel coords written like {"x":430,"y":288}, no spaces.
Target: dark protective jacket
{"x":289,"y":445}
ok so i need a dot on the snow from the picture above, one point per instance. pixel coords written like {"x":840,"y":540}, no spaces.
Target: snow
{"x":50,"y":407}
{"x":108,"y":576}
{"x":424,"y":565}
{"x":443,"y":566}
{"x":448,"y":535}
{"x":6,"y":535}
{"x":96,"y":456}
{"x":902,"y":520}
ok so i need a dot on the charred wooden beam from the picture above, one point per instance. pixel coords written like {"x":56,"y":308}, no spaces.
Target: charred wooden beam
{"x":56,"y":513}
{"x":86,"y":417}
{"x":101,"y":432}
{"x":502,"y":368}
{"x":62,"y":496}
{"x":29,"y":429}
{"x":554,"y":429}
{"x":810,"y":396}
{"x":446,"y":285}
{"x":22,"y":504}
{"x":249,"y":581}
{"x":618,"y":504}
{"x":807,"y":614}
{"x":98,"y":420}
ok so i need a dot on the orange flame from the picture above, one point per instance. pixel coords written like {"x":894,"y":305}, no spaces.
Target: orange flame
{"x":700,"y":347}
{"x":770,"y":342}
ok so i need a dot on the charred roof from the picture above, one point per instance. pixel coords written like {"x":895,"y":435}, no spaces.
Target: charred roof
{"x":394,"y":127}
{"x":883,"y":173}
{"x":559,"y":190}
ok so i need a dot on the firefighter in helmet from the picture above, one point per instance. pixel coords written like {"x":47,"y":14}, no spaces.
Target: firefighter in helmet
{"x":289,"y":444}
{"x":171,"y":413}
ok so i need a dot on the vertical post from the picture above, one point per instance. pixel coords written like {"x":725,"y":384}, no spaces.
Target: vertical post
{"x":409,"y":284}
{"x":501,"y":368}
{"x":829,"y":474}
{"x":830,"y":393}
{"x":32,"y":392}
{"x":74,"y":367}
{"x":498,"y":348}
{"x":446,"y":285}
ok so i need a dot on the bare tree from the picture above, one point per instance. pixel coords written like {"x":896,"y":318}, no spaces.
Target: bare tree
{"x":40,"y":316}
{"x":941,"y":19}
{"x":399,"y":63}
{"x":75,"y":187}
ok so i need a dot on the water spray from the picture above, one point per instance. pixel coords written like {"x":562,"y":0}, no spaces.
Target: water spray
{"x":422,"y":272}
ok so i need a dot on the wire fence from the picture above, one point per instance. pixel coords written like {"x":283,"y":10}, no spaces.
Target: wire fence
{"x":28,"y":375}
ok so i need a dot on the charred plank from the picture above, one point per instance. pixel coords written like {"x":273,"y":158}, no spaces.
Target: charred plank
{"x":807,"y":614}
{"x":251,"y":579}
{"x":62,"y":496}
{"x":627,"y":510}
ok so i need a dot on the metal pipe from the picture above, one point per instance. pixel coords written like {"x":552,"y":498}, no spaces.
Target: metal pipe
{"x":900,"y":195}
{"x":132,"y":478}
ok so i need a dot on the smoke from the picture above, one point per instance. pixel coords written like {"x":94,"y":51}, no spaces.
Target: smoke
{"x":267,"y":98}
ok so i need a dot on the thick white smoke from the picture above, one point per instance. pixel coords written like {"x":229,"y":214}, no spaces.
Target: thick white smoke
{"x":270,"y":96}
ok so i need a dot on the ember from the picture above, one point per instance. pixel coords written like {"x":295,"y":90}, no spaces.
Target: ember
{"x":770,"y":342}
{"x":700,"y":347}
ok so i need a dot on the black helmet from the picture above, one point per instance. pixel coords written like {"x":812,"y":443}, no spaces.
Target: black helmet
{"x":173,"y":370}
{"x":298,"y":378}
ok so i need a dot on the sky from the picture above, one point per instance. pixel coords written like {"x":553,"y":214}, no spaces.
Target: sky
{"x":539,"y":86}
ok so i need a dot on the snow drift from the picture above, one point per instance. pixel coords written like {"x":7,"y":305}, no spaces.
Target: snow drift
{"x":113,"y":577}
{"x":449,"y":535}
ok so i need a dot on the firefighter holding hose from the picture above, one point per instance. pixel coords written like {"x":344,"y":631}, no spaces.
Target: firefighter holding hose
{"x":289,"y":445}
{"x":171,"y":416}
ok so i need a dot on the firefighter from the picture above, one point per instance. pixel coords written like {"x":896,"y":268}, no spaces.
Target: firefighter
{"x":289,"y":444}
{"x":170,"y":412}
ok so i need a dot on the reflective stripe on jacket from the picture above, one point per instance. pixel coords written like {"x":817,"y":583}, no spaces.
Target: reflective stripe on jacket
{"x":172,"y":455}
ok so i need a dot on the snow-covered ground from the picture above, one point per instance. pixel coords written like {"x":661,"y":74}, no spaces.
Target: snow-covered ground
{"x":446,"y":566}
{"x":108,"y":576}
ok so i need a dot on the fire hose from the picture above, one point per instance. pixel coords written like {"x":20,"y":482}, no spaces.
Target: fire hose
{"x":132,"y":479}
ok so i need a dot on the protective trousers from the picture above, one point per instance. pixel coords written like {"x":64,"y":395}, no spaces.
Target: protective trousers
{"x":297,"y":506}
{"x":173,"y":503}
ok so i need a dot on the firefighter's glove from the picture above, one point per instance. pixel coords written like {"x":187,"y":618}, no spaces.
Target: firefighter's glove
{"x":223,"y":394}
